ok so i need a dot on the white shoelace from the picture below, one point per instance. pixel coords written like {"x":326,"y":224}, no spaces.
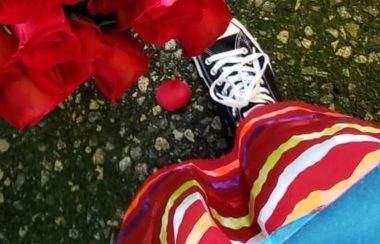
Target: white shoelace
{"x":242,"y":80}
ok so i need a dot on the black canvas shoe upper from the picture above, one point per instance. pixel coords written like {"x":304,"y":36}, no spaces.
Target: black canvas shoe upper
{"x":237,"y":73}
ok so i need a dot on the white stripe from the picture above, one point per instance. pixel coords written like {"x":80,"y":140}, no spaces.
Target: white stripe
{"x":308,"y":158}
{"x":181,"y":209}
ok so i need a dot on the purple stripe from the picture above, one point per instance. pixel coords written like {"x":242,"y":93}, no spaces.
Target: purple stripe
{"x":143,"y":210}
{"x":227,"y":183}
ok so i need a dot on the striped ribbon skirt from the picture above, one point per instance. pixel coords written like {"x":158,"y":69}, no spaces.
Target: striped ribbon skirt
{"x":290,"y":160}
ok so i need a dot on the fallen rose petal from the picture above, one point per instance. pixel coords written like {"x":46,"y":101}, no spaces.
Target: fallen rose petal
{"x":173,"y":95}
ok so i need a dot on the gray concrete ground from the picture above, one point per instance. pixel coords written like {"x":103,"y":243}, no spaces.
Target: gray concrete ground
{"x":70,"y":179}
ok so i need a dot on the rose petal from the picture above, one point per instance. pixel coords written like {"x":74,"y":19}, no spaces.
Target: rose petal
{"x":62,"y":78}
{"x":163,"y":23}
{"x":90,"y":38}
{"x":203,"y":32}
{"x":24,"y":103}
{"x":26,"y":96}
{"x":8,"y":46}
{"x":118,"y":70}
{"x":46,"y":41}
{"x":116,"y":58}
{"x":173,"y":95}
{"x":19,"y":11}
{"x":122,"y":40}
{"x":103,"y":6}
{"x":70,"y":2}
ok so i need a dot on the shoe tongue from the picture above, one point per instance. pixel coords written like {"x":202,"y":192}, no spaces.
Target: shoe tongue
{"x":226,"y":43}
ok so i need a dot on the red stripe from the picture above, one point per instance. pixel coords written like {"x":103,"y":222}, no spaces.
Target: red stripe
{"x":192,"y":215}
{"x":337,"y":165}
{"x":214,"y":235}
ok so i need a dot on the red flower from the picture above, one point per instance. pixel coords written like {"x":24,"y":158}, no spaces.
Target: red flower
{"x":28,"y":95}
{"x":24,"y":102}
{"x":118,"y":61}
{"x":18,"y":11}
{"x":8,"y":46}
{"x":197,"y":23}
{"x":70,"y":2}
{"x":120,"y":66}
{"x":46,"y":41}
{"x":203,"y":32}
{"x":104,"y":6}
{"x":173,"y":95}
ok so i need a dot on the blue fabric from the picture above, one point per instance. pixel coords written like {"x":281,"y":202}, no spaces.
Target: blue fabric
{"x":287,"y":231}
{"x":353,"y":218}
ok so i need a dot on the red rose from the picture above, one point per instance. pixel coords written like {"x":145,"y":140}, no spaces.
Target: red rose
{"x":120,"y":66}
{"x":70,"y":2}
{"x":104,"y":6}
{"x":197,"y":23}
{"x":8,"y":46}
{"x":115,"y":57}
{"x":18,"y":11}
{"x":202,"y":32}
{"x":24,"y":102}
{"x":28,"y":95}
{"x":46,"y":41}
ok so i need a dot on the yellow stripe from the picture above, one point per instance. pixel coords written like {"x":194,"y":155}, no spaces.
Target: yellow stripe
{"x":199,"y":229}
{"x":165,"y":218}
{"x":319,"y":199}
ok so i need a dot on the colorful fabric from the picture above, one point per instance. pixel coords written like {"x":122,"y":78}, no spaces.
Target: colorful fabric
{"x":289,"y":160}
{"x":353,"y":218}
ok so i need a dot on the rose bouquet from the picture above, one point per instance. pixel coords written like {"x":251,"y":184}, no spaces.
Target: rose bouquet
{"x":50,"y":47}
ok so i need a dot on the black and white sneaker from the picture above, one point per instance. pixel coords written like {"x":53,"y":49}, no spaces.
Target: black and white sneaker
{"x":237,"y":73}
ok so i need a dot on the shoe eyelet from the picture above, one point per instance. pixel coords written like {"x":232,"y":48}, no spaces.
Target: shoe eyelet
{"x":207,"y":61}
{"x":245,"y":50}
{"x":213,"y":72}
